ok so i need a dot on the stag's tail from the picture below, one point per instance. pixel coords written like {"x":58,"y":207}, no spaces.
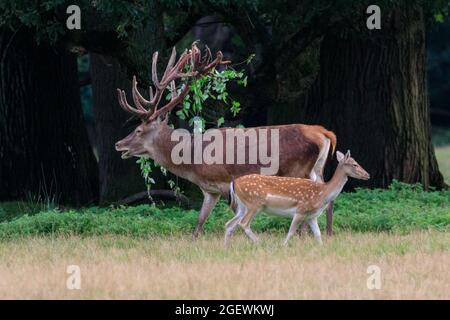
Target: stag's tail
{"x":330,"y":135}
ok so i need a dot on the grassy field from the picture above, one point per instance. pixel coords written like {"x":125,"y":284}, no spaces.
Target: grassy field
{"x":413,"y":266}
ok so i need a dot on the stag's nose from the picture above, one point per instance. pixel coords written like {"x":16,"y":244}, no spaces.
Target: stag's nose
{"x":117,"y":145}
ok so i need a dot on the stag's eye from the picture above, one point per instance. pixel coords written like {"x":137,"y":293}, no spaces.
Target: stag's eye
{"x":138,"y":131}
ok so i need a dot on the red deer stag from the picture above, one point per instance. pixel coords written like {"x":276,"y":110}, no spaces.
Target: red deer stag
{"x":302,"y":149}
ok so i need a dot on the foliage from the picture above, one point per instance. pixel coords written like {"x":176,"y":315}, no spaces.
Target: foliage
{"x":211,"y":86}
{"x":439,"y":9}
{"x":48,"y":18}
{"x":287,"y":19}
{"x":401,"y":209}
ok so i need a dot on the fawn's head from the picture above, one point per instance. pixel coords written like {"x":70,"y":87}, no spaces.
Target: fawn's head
{"x":140,"y":141}
{"x":351,"y":167}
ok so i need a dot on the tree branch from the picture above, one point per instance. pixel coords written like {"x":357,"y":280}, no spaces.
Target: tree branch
{"x":163,"y":194}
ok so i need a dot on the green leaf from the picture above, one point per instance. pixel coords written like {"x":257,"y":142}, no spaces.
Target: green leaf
{"x":180,"y":114}
{"x":439,"y":17}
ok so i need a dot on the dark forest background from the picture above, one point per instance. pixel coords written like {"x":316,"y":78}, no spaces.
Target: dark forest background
{"x":315,"y":62}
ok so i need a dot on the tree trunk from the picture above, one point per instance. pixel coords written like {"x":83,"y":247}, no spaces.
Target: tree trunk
{"x":121,"y":178}
{"x":44,"y":148}
{"x":261,"y":97}
{"x":118,"y":178}
{"x":372,"y":92}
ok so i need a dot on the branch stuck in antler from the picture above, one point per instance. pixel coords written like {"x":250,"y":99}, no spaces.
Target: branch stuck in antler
{"x":199,"y":66}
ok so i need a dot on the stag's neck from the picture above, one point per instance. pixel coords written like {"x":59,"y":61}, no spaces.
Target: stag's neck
{"x":162,"y":153}
{"x":334,"y":187}
{"x":163,"y":146}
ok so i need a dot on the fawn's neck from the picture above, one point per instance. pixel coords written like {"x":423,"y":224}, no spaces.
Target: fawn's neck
{"x":334,"y":187}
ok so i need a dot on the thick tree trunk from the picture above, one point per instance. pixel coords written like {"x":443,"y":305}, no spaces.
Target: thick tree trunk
{"x":118,"y":178}
{"x":261,"y":97}
{"x":121,"y":178}
{"x":372,"y":92}
{"x":44,"y":148}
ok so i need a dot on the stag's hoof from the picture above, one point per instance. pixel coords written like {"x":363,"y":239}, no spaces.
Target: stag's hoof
{"x":196,"y":234}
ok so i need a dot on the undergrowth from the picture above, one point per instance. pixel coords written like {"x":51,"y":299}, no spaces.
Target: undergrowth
{"x":401,"y":209}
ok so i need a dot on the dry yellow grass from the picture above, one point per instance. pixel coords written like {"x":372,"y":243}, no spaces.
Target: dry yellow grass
{"x":414,"y":266}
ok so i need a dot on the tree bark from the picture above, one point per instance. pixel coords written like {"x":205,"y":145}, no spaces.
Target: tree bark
{"x":121,"y":178}
{"x":118,"y":178}
{"x":372,"y":92}
{"x":44,"y":148}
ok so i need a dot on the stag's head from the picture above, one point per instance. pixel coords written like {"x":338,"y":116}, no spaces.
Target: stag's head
{"x":351,"y":167}
{"x":154,"y":118}
{"x":140,"y":141}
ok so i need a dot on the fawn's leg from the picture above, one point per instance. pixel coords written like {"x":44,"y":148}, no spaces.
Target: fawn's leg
{"x":317,"y":176}
{"x":315,"y":229}
{"x":209,"y":202}
{"x":298,"y":218}
{"x":330,"y":219}
{"x":231,"y":225}
{"x":245,"y":223}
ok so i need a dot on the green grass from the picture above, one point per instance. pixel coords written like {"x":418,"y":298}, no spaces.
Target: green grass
{"x":401,"y":208}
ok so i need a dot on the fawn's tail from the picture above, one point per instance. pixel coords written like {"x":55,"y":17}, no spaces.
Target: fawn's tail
{"x":232,"y":196}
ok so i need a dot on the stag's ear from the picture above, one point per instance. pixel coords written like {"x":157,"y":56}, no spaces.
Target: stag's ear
{"x":166,"y":118}
{"x":339,"y":156}
{"x":157,"y":120}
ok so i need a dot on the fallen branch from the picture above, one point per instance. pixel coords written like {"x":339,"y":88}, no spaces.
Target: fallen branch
{"x":160,"y":194}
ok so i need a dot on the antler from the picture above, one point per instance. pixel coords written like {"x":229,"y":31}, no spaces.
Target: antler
{"x":199,"y":66}
{"x":204,"y":65}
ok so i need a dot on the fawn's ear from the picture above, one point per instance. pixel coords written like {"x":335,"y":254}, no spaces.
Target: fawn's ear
{"x":347,"y":155}
{"x":339,"y":156}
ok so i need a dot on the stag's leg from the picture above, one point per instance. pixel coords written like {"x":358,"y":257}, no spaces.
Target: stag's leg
{"x":330,"y":219}
{"x":209,"y":201}
{"x":302,"y":230}
{"x":298,"y":218}
{"x":315,"y":229}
